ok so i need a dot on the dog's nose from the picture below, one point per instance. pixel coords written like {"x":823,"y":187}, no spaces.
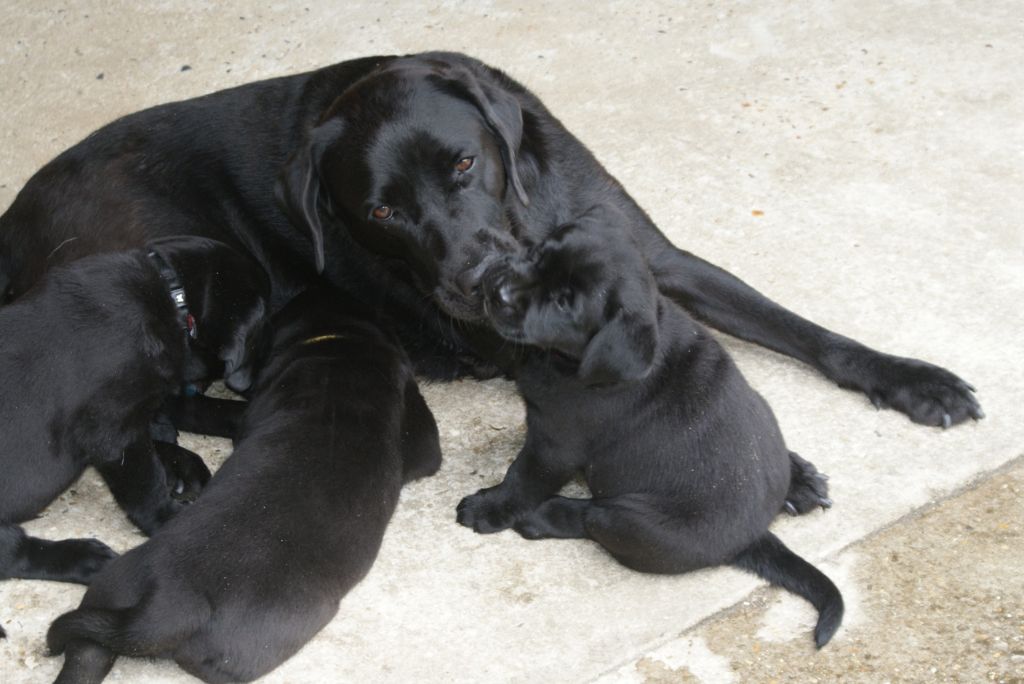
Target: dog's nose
{"x":468,"y":281}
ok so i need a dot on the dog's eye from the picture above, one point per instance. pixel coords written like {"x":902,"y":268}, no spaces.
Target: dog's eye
{"x":383,"y":212}
{"x":465,"y":164}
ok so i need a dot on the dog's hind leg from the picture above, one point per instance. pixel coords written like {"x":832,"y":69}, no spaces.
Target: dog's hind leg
{"x":205,"y":415}
{"x":92,"y":636}
{"x":926,"y":393}
{"x":633,"y":528}
{"x":85,"y":662}
{"x":557,"y":518}
{"x":808,"y":488}
{"x":66,"y":560}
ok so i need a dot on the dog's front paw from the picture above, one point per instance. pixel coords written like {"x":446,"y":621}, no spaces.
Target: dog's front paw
{"x":489,"y":510}
{"x":186,"y":471}
{"x":926,"y":393}
{"x":90,"y":556}
{"x":74,"y":560}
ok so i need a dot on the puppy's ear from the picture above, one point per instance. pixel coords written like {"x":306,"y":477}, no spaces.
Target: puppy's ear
{"x":299,"y":188}
{"x":243,"y":350}
{"x":623,"y":349}
{"x":503,"y":115}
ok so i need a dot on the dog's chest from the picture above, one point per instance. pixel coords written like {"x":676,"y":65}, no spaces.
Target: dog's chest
{"x":577,"y":417}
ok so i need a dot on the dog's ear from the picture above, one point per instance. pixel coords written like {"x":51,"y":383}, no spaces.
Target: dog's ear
{"x":502,"y":114}
{"x":244,"y":349}
{"x":299,"y":188}
{"x":623,"y":349}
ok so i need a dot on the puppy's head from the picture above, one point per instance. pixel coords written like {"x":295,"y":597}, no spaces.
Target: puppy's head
{"x":227,"y":295}
{"x":585,"y":292}
{"x":417,"y":161}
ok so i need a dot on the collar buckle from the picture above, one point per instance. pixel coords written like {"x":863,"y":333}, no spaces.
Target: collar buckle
{"x":176,"y":291}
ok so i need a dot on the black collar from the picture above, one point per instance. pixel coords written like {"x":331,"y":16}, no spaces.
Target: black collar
{"x":176,"y":290}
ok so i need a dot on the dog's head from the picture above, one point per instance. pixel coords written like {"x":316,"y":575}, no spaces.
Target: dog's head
{"x":586,"y":292}
{"x":417,"y":161}
{"x":227,"y":294}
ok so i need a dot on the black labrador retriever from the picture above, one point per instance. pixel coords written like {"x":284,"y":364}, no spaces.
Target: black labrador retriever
{"x":238,"y":582}
{"x":684,"y":460}
{"x":405,"y":173}
{"x":87,"y":357}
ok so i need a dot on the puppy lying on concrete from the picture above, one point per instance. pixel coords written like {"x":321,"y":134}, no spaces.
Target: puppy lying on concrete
{"x":245,"y":576}
{"x":86,"y":359}
{"x":684,"y":460}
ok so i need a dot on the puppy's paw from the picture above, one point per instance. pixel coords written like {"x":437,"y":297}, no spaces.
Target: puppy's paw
{"x":531,"y":528}
{"x":927,"y":394}
{"x":153,"y":516}
{"x":489,"y":510}
{"x":76,"y":560}
{"x":168,"y":510}
{"x":91,"y":555}
{"x":186,"y":471}
{"x":808,"y":488}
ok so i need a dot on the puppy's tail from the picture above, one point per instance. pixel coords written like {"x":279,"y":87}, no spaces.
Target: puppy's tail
{"x":772,"y":560}
{"x":90,"y":639}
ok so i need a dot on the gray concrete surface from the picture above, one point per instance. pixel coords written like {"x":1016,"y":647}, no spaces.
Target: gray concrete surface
{"x":860,"y":162}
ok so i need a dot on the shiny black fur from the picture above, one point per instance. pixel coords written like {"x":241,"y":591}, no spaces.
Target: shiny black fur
{"x":684,"y":460}
{"x":244,"y":577}
{"x":87,"y":357}
{"x":391,"y":131}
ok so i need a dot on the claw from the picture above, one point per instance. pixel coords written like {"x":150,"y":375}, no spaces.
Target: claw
{"x":825,"y":503}
{"x":977,"y":413}
{"x":969,"y":386}
{"x":946,"y":421}
{"x":823,"y":477}
{"x":877,"y":401}
{"x":790,"y":508}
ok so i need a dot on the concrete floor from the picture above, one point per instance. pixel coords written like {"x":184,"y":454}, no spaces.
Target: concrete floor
{"x":860,"y":162}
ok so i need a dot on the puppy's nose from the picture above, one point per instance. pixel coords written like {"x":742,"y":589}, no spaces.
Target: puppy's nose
{"x":468,"y":281}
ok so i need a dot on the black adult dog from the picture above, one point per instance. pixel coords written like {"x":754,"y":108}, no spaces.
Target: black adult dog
{"x":237,"y":583}
{"x":433,"y":161}
{"x":87,"y":357}
{"x":684,"y":460}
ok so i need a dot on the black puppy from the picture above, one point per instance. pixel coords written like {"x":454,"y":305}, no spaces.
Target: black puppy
{"x":684,"y":459}
{"x":434,"y":160}
{"x":86,"y":359}
{"x":237,"y":583}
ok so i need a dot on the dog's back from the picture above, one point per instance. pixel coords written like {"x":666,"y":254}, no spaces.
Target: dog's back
{"x":294,"y":519}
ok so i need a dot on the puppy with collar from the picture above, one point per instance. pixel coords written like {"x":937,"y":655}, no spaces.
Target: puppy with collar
{"x":87,"y":357}
{"x":684,"y":460}
{"x":238,"y":582}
